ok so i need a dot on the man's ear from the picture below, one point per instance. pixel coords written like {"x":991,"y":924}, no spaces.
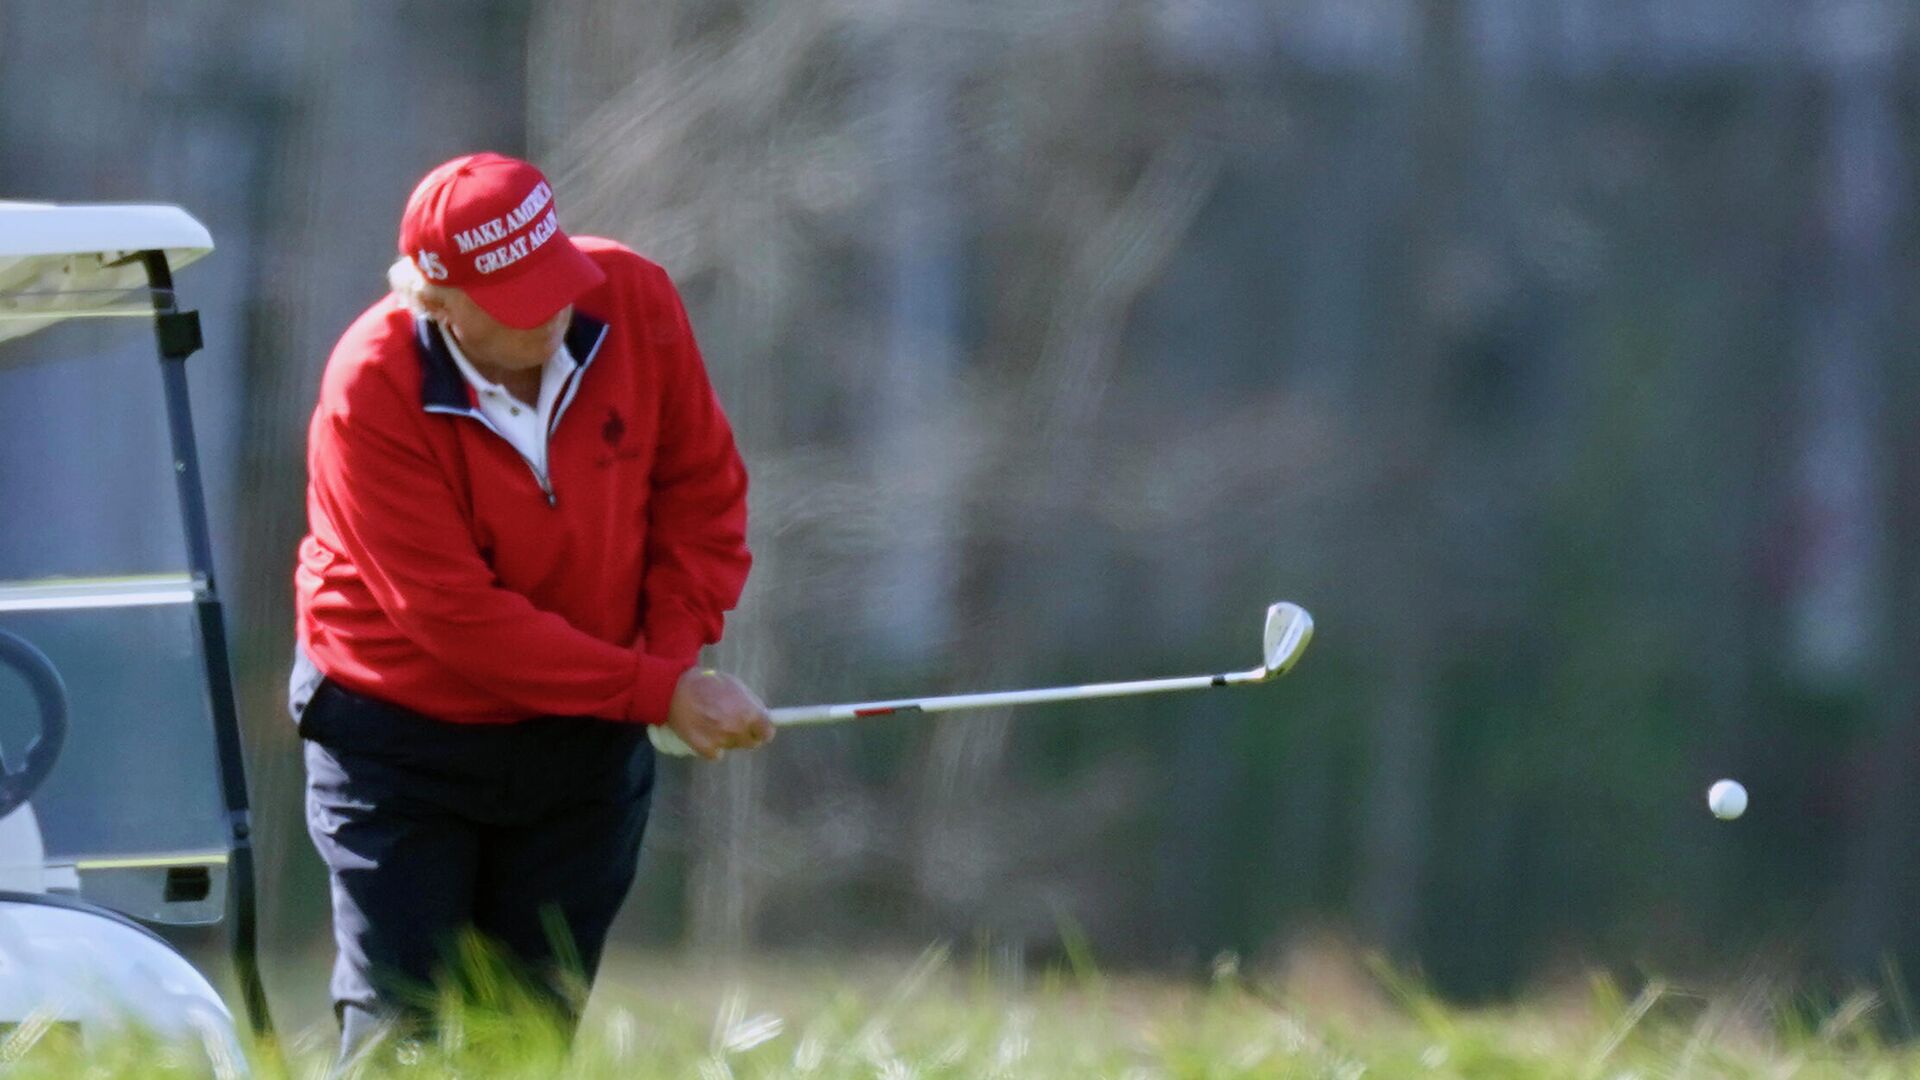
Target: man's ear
{"x":433,"y":304}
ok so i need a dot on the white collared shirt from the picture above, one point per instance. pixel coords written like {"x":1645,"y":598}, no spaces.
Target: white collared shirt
{"x":523,"y":425}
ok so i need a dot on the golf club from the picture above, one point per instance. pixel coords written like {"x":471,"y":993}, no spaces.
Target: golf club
{"x":1286,"y":633}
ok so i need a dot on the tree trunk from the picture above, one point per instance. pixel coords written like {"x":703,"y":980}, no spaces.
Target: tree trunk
{"x":1849,"y":601}
{"x":1410,"y":595}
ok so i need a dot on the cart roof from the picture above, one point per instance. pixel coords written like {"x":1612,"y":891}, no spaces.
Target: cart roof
{"x":64,"y":261}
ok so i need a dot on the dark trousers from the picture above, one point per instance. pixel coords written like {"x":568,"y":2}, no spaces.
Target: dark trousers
{"x":527,"y":833}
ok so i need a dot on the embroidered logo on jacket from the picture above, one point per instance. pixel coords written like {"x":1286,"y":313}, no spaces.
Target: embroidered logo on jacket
{"x":614,"y":432}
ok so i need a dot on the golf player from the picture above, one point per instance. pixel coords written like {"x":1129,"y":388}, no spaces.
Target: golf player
{"x":526,"y":515}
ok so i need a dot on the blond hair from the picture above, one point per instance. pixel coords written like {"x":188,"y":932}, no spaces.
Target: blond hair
{"x":409,"y":285}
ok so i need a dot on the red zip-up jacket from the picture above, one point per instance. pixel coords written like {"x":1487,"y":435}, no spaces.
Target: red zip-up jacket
{"x":438,"y":574}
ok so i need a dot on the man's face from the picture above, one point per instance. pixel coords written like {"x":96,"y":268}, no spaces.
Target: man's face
{"x":488,"y":341}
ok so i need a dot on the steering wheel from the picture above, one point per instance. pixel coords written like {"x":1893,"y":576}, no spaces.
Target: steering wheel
{"x":17,"y":784}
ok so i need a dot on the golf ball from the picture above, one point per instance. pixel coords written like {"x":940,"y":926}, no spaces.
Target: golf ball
{"x":1727,"y":799}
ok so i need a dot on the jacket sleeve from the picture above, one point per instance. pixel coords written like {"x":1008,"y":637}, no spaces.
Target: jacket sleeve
{"x":399,"y":521}
{"x":697,"y":557}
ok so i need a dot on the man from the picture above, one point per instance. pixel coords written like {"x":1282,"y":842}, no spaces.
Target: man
{"x":526,"y":517}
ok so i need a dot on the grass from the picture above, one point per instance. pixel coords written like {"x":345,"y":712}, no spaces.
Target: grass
{"x":930,"y":1019}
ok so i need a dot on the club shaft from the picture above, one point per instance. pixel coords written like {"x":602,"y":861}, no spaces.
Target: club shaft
{"x":826,"y":714}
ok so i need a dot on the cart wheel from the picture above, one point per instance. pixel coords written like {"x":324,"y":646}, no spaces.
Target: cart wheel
{"x":17,"y":784}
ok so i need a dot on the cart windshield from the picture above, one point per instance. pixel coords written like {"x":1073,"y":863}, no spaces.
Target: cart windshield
{"x":130,"y":815}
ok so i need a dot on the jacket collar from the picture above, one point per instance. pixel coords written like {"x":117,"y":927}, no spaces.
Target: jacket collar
{"x":444,"y":389}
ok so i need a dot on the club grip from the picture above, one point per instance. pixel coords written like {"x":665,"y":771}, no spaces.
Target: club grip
{"x":665,"y":741}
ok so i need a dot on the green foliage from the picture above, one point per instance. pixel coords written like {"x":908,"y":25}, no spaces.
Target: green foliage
{"x":933,"y":1022}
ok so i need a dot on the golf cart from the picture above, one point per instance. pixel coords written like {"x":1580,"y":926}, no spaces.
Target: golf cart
{"x":123,"y":801}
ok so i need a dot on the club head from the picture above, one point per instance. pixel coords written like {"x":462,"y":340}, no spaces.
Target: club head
{"x":1288,"y":630}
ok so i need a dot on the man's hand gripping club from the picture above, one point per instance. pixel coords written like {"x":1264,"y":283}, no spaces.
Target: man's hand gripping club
{"x":713,"y":712}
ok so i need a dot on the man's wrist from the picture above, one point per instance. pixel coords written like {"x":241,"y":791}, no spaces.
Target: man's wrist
{"x":655,"y":684}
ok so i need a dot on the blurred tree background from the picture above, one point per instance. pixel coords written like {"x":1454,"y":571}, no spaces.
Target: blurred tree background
{"x":1555,"y":353}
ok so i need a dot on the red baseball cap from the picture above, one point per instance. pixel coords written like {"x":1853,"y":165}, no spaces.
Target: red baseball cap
{"x":485,"y":224}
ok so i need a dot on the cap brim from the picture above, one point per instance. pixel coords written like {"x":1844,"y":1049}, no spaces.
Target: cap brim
{"x":549,"y":280}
